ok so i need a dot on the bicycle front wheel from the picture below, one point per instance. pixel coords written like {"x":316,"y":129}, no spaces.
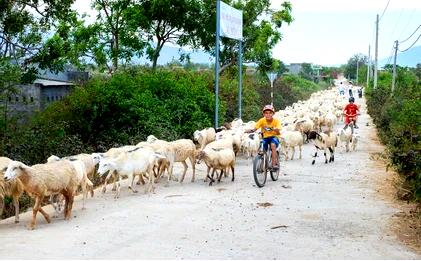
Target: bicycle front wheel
{"x":259,"y":170}
{"x":274,"y":174}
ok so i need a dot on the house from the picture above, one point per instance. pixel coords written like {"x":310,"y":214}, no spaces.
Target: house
{"x":43,"y":91}
{"x":36,"y":96}
{"x":295,"y":68}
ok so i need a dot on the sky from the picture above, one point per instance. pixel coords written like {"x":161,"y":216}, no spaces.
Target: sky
{"x":330,"y":32}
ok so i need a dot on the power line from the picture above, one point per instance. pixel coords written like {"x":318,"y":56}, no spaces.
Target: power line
{"x":411,"y":45}
{"x":410,"y":35}
{"x":391,"y":54}
{"x":409,"y":21}
{"x":384,"y":10}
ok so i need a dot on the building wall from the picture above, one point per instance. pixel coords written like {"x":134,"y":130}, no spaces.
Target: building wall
{"x":295,"y":68}
{"x":51,"y":94}
{"x":26,"y":101}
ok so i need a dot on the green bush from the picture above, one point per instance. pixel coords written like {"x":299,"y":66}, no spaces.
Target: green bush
{"x":120,"y":110}
{"x":397,"y":118}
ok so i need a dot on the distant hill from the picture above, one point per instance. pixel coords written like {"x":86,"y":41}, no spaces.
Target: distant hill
{"x":409,"y":58}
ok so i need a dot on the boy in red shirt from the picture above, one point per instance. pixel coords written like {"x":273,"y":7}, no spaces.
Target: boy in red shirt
{"x":350,"y":111}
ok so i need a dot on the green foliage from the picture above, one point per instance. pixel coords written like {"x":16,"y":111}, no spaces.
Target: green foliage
{"x":120,"y":110}
{"x":397,"y":118}
{"x":350,"y":69}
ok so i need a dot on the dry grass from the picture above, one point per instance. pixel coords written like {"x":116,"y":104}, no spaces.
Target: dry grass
{"x":405,"y":224}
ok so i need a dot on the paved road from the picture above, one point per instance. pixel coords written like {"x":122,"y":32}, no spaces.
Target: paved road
{"x":325,"y":211}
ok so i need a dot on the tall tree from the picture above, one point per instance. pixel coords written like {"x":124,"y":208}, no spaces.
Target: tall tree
{"x":165,"y":21}
{"x":112,"y":38}
{"x":351,"y":66}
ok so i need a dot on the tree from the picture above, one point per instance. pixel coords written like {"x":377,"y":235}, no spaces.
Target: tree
{"x":350,"y":69}
{"x":110,"y":38}
{"x":307,"y":71}
{"x":261,"y":32}
{"x":165,"y":21}
{"x":418,"y":71}
{"x":24,"y":29}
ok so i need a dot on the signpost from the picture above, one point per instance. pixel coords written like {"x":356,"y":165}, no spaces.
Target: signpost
{"x":272,"y":77}
{"x":229,"y":23}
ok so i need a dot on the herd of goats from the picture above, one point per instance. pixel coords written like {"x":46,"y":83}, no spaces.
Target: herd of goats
{"x":61,"y":178}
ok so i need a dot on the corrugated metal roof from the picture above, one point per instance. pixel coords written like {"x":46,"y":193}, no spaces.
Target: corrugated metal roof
{"x":52,"y":83}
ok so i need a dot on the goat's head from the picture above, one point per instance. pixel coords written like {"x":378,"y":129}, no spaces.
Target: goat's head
{"x":13,"y":170}
{"x":105,"y":166}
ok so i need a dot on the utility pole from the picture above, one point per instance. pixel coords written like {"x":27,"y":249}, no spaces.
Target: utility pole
{"x":376,"y":52}
{"x":394,"y":67}
{"x":357,"y":72}
{"x":368,"y":65}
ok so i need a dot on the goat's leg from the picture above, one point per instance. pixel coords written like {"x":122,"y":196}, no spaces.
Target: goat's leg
{"x":314,"y":160}
{"x":293,"y":152}
{"x":1,"y":205}
{"x":114,"y":181}
{"x":332,"y":154}
{"x":69,"y":201}
{"x":37,"y":205}
{"x":104,"y":187}
{"x":325,"y":151}
{"x":151,"y":181}
{"x":66,"y":204}
{"x":232,"y":170}
{"x":84,"y":193}
{"x":184,"y":171}
{"x":142,"y":181}
{"x":211,"y":178}
{"x":223,"y":171}
{"x":171,"y":172}
{"x":193,"y":165}
{"x":300,"y":147}
{"x":117,"y":195}
{"x":46,"y":216}
{"x":16,"y":205}
{"x":131,"y":180}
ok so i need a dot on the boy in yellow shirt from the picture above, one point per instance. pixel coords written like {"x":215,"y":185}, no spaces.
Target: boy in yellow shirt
{"x":271,"y":130}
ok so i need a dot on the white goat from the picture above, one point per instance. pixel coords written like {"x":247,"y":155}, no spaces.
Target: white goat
{"x":290,"y":140}
{"x":218,"y":159}
{"x":129,"y":164}
{"x":43,"y":180}
{"x":12,"y":188}
{"x":204,"y":137}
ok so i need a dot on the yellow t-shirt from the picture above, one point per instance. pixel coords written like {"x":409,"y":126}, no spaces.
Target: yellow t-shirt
{"x":262,"y":123}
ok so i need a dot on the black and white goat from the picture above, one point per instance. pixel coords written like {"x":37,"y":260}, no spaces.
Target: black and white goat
{"x":323,"y":141}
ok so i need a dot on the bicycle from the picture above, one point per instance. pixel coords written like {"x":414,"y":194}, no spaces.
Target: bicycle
{"x":351,"y":124}
{"x":262,"y":163}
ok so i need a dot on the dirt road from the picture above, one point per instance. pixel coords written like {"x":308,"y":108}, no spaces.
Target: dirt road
{"x":324,"y":211}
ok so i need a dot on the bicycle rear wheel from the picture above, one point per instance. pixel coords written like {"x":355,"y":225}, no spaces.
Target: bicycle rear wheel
{"x":259,"y":171}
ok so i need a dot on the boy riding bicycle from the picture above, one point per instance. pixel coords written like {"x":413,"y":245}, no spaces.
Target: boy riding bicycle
{"x":271,"y":129}
{"x":350,"y":111}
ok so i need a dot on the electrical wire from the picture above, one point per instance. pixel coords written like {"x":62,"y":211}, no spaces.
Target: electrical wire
{"x":411,"y":45}
{"x":391,"y":54}
{"x":411,"y":34}
{"x":384,"y":10}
